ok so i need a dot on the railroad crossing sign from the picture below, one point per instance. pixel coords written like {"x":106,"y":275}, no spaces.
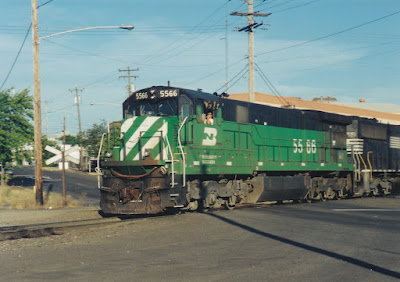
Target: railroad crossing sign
{"x":68,"y":154}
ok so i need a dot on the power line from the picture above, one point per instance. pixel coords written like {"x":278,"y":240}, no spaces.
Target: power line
{"x":271,"y":86}
{"x":20,"y":48}
{"x":331,"y":34}
{"x":16,"y":58}
{"x":157,"y":55}
{"x":210,"y":74}
{"x":240,"y":73}
{"x":238,"y":79}
{"x":297,"y":6}
{"x":85,"y":52}
{"x":270,"y":2}
{"x":41,"y":5}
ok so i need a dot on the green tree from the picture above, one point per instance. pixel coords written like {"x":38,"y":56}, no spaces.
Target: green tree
{"x":71,"y":139}
{"x":16,"y":129}
{"x":92,"y":138}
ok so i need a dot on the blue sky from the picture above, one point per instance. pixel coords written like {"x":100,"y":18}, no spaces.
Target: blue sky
{"x":183,"y":42}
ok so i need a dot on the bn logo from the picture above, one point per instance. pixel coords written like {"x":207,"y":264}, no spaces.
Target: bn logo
{"x":211,"y":136}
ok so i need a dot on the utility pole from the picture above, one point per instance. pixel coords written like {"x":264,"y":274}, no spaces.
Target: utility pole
{"x":251,"y":25}
{"x":64,"y":186}
{"x":77,"y":99}
{"x":36,"y":106}
{"x":128,"y":70}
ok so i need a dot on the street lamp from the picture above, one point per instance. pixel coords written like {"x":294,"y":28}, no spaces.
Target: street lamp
{"x":36,"y":95}
{"x":127,"y":27}
{"x":104,"y":103}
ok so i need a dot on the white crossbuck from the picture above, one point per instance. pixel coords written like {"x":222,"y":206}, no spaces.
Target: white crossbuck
{"x":57,"y":154}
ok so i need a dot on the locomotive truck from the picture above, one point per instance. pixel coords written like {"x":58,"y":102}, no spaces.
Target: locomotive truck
{"x":170,"y":157}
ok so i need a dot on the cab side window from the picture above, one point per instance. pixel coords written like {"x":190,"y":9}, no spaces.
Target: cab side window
{"x":184,"y":111}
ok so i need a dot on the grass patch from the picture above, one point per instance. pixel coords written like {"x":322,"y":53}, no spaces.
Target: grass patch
{"x":12,"y":197}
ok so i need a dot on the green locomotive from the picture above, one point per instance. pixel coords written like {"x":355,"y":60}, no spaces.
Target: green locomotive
{"x":188,"y":149}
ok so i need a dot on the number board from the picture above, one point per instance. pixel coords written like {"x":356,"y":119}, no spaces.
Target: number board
{"x":153,"y":94}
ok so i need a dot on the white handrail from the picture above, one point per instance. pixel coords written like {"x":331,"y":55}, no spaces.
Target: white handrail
{"x":98,"y":170}
{"x":172,"y":162}
{"x":183,"y":155}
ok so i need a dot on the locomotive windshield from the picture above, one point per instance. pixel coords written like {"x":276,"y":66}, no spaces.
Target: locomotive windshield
{"x":162,"y":108}
{"x":158,"y":102}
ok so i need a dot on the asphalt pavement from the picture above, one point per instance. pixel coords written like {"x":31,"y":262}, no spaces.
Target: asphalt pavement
{"x":77,"y":183}
{"x":347,"y":240}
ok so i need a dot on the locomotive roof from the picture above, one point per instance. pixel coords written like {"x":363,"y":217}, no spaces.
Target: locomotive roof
{"x":193,"y":93}
{"x":273,"y":100}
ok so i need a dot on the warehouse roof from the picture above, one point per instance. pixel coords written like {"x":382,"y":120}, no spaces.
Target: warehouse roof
{"x":297,"y":103}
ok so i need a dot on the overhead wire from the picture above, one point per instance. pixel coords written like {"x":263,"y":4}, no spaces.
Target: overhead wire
{"x":16,"y":58}
{"x":271,"y":86}
{"x":210,"y":74}
{"x":157,"y":55}
{"x":240,"y":73}
{"x":331,"y":34}
{"x":20,"y":48}
{"x":294,"y":7}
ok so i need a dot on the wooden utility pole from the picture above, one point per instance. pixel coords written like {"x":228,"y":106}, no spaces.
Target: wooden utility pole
{"x":251,"y":25}
{"x":36,"y":106}
{"x":77,"y":99}
{"x":129,"y":78}
{"x":64,"y":186}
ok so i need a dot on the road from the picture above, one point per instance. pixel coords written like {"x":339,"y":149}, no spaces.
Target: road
{"x":77,"y":183}
{"x":347,"y":240}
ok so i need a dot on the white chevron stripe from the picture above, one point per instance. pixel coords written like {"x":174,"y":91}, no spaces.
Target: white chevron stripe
{"x":127,"y":124}
{"x":133,"y":140}
{"x":154,"y":140}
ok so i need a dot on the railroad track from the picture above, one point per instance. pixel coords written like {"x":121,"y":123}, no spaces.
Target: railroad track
{"x":60,"y":227}
{"x":52,"y":228}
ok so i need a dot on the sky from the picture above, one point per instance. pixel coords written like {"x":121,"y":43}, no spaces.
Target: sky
{"x":347,"y":49}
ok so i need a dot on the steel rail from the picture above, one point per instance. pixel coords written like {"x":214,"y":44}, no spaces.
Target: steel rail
{"x":52,"y":228}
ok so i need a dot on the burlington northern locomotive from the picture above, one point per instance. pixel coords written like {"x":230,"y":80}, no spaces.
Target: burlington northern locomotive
{"x":169,"y":157}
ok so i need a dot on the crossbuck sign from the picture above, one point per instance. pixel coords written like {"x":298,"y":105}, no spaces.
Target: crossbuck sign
{"x":58,"y":156}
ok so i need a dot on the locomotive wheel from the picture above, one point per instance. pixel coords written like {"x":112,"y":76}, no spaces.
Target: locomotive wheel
{"x":230,"y":203}
{"x":308,"y":197}
{"x":321,"y":197}
{"x":330,"y":194}
{"x":228,"y":206}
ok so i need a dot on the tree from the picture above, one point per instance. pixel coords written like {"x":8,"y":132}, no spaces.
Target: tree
{"x":93,"y":137}
{"x":16,"y":129}
{"x":71,"y":139}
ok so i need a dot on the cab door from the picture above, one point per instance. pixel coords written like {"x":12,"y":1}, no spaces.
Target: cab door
{"x":185,"y":115}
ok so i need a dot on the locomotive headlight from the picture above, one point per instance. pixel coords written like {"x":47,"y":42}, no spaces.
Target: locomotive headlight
{"x":108,"y":155}
{"x":164,"y":170}
{"x":146,"y":153}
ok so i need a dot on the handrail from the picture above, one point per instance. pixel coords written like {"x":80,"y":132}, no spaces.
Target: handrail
{"x":172,"y":162}
{"x":183,"y":154}
{"x":365,"y":165}
{"x":358,"y":167}
{"x":354,"y":163}
{"x":98,"y":170}
{"x":369,"y":162}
